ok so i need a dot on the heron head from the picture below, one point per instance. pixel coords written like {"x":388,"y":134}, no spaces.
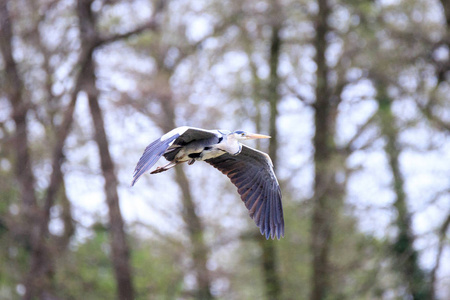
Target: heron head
{"x":243,"y":135}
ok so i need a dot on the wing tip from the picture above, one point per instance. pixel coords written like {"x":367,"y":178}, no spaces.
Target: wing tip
{"x":136,"y":175}
{"x":135,"y":179}
{"x":272,"y":232}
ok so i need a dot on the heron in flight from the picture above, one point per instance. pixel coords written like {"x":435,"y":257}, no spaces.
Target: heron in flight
{"x":250,"y":170}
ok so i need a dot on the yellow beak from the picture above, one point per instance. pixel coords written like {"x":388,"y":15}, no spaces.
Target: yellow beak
{"x":252,"y":136}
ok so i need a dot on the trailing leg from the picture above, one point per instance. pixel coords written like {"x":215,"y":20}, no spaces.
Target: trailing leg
{"x":170,"y":165}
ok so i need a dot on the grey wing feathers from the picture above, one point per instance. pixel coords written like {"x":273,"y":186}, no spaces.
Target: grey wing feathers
{"x":192,"y":134}
{"x":251,"y":172}
{"x":178,"y":136}
{"x":152,"y":153}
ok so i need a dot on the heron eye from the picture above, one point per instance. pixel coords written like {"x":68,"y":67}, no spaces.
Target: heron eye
{"x":242,"y":134}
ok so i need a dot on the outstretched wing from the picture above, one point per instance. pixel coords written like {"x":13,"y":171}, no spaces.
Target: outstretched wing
{"x":251,"y":171}
{"x":179,"y":136}
{"x":151,"y":155}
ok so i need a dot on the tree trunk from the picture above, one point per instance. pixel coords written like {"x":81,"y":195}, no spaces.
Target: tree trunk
{"x":446,"y":8}
{"x":38,"y":279}
{"x":268,"y":255}
{"x":443,"y":238}
{"x":405,"y":256}
{"x":193,"y":222}
{"x":120,"y":254}
{"x":323,"y":214}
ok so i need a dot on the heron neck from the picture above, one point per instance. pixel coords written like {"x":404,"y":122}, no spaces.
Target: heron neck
{"x":230,"y":144}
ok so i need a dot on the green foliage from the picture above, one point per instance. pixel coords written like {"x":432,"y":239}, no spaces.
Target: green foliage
{"x":359,"y":262}
{"x":85,"y":272}
{"x":293,"y":251}
{"x":158,"y":270}
{"x":13,"y":249}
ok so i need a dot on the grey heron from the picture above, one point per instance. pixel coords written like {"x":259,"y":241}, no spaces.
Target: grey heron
{"x":250,"y":170}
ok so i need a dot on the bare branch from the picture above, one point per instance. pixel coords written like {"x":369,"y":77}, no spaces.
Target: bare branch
{"x":152,"y":25}
{"x":349,"y":147}
{"x":299,"y":96}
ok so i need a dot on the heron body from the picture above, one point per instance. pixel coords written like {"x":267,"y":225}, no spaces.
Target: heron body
{"x":250,"y":170}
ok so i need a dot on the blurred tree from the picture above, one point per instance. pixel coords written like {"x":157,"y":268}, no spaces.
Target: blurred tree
{"x":194,"y":225}
{"x":90,"y":39}
{"x":36,"y":209}
{"x":120,"y":251}
{"x":338,"y":58}
{"x":405,"y":255}
{"x":86,"y":271}
{"x":342,"y":250}
{"x":398,"y":77}
{"x":325,"y":197}
{"x":161,"y":94}
{"x":269,"y":256}
{"x":442,"y":64}
{"x":38,"y":280}
{"x":435,"y":102}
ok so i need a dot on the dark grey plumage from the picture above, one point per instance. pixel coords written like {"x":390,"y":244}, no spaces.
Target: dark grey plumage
{"x":258,"y":187}
{"x":152,"y":154}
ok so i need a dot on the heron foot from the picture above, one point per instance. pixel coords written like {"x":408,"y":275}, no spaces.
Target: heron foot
{"x":165,"y":167}
{"x":158,"y":170}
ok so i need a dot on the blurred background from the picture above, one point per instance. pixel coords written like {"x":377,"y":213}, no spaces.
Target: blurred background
{"x":355,"y":95}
